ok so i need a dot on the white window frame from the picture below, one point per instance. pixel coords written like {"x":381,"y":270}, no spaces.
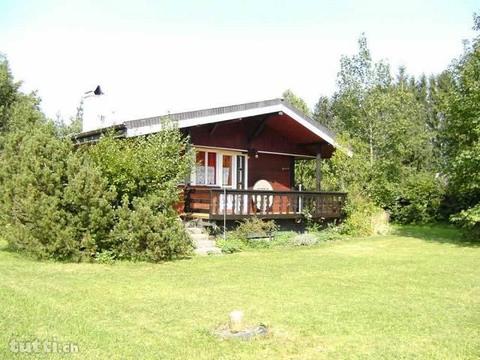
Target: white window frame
{"x":194,"y":172}
{"x":219,"y":176}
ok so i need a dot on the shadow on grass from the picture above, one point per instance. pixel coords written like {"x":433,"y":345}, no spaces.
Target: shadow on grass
{"x":3,"y":245}
{"x":440,"y":233}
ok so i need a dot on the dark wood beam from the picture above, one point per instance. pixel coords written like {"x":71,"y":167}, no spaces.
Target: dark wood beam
{"x":318,"y":143}
{"x":258,"y":130}
{"x":212,"y":130}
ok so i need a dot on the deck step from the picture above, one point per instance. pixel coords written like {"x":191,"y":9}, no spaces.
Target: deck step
{"x":196,"y":237}
{"x":195,"y":230}
{"x":204,"y":244}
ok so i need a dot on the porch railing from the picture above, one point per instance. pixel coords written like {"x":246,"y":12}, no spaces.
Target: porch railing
{"x":236,"y":204}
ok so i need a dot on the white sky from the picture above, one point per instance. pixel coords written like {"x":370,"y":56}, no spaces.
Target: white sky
{"x":151,"y":58}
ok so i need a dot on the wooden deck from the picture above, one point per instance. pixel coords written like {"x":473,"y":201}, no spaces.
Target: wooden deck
{"x":219,"y":204}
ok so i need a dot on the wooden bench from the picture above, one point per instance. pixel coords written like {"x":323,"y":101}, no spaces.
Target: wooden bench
{"x":265,"y":235}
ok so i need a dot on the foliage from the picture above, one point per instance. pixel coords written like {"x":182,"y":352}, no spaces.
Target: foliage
{"x":296,"y":102}
{"x":233,"y":244}
{"x":392,"y":125}
{"x":254,"y":226}
{"x":417,"y":199}
{"x":105,"y":257}
{"x":469,"y":220}
{"x":145,"y":165}
{"x":364,"y":218}
{"x":61,"y":205}
{"x":55,"y":201}
{"x":143,"y":232}
{"x":145,"y":171}
{"x":240,"y":238}
{"x":305,"y":239}
{"x":331,"y":233}
{"x":323,"y":113}
{"x":461,"y":135}
{"x":230,"y":245}
{"x":32,"y":179}
{"x":66,"y":203}
{"x":388,"y":123}
{"x":8,"y":93}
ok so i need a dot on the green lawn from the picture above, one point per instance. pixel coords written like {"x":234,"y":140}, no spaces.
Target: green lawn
{"x":411,"y":295}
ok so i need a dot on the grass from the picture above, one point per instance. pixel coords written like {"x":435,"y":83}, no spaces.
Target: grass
{"x":414,"y":294}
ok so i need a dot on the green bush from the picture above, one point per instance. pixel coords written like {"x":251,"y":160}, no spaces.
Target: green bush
{"x":53,"y":199}
{"x":115,"y":198}
{"x":254,"y":226}
{"x":88,"y":203}
{"x":304,"y":240}
{"x":469,"y":220}
{"x":144,"y":233}
{"x":105,"y":257}
{"x":364,"y":218}
{"x":417,"y":199}
{"x":230,"y":245}
{"x":145,"y":165}
{"x":239,"y":239}
{"x":331,"y":233}
{"x":282,"y":238}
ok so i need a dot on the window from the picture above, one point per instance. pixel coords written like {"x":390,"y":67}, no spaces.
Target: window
{"x":212,"y":169}
{"x":240,"y":171}
{"x":227,"y":169}
{"x":206,"y":168}
{"x":220,"y":169}
{"x":200,"y":168}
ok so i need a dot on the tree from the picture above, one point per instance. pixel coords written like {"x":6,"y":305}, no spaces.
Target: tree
{"x":323,"y":113}
{"x":296,"y":102}
{"x":387,"y":120}
{"x":8,"y":92}
{"x":60,"y":201}
{"x":462,"y":134}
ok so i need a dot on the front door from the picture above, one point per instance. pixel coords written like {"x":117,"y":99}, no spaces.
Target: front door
{"x":233,"y":175}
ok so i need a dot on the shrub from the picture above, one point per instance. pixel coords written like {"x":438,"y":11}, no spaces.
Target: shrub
{"x":141,"y":166}
{"x":88,"y":204}
{"x":469,"y":220}
{"x":255,"y":226}
{"x":64,"y":203}
{"x":230,"y":245}
{"x":304,"y":240}
{"x":364,"y":218}
{"x":417,"y":199}
{"x":105,"y":257}
{"x":283,"y":238}
{"x":145,"y":232}
{"x":332,"y":232}
{"x":40,"y":198}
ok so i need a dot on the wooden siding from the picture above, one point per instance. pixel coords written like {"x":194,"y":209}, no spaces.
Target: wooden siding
{"x":279,"y":133}
{"x":276,"y":169}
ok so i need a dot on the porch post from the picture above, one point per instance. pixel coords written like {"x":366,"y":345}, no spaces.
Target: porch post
{"x":292,"y":173}
{"x":318,"y":168}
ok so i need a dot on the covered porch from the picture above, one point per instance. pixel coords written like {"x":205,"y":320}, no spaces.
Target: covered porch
{"x":245,"y":164}
{"x":235,"y":204}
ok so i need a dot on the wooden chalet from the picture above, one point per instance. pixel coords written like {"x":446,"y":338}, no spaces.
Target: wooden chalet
{"x":245,"y":161}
